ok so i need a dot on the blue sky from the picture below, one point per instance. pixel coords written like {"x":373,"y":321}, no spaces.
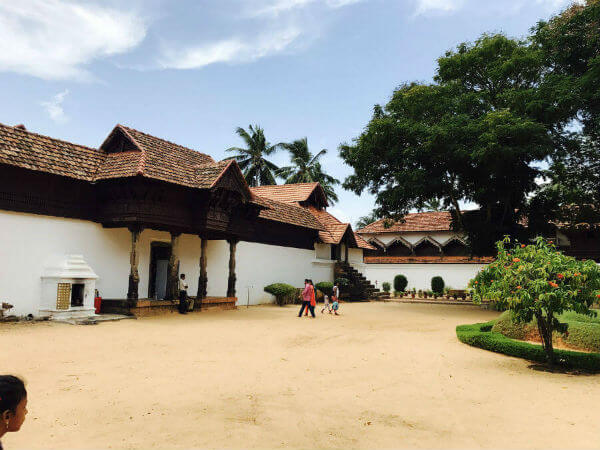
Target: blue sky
{"x":192,"y":71}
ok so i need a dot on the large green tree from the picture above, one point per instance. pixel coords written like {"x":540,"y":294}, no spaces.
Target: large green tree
{"x":474,"y":135}
{"x":570,"y":45}
{"x":257,"y":170}
{"x":306,"y":168}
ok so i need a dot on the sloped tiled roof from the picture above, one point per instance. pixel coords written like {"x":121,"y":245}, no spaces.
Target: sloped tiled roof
{"x":286,"y":213}
{"x":33,"y":151}
{"x":362,"y":243}
{"x":158,"y":159}
{"x":286,"y":193}
{"x":428,"y":259}
{"x":425,"y":221}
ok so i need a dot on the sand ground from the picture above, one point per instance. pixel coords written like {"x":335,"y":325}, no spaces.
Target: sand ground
{"x":382,"y":375}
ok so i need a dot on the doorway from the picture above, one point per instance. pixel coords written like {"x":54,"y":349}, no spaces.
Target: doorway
{"x":160,"y":253}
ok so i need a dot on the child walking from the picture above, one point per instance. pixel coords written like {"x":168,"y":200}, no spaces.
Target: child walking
{"x":336,"y":304}
{"x":326,"y":304}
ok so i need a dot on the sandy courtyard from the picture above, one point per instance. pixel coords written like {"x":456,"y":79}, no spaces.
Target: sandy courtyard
{"x":382,"y":375}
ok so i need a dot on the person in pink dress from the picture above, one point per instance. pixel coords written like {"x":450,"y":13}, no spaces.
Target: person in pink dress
{"x":307,"y":296}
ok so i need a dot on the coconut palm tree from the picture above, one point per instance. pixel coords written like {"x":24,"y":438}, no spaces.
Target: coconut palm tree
{"x":257,"y":170}
{"x":306,"y":168}
{"x":366,"y":220}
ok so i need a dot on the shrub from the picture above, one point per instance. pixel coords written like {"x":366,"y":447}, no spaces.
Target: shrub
{"x":325,"y":287}
{"x":283,"y":292}
{"x":480,"y":335}
{"x":400,"y":283}
{"x":342,"y":282}
{"x":386,"y":286}
{"x":437,"y":284}
{"x":583,"y":331}
{"x":538,"y":281}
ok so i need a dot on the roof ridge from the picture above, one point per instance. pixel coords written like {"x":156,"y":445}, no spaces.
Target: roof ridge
{"x":21,"y":130}
{"x":165,"y":140}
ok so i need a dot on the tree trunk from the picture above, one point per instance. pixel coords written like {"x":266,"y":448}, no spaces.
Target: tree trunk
{"x":134,"y":276}
{"x":173,"y":269}
{"x":231,"y":279}
{"x":461,"y":225}
{"x":203,"y":278}
{"x":545,"y":330}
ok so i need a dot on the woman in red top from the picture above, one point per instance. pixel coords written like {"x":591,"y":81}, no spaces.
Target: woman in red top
{"x":313,"y":299}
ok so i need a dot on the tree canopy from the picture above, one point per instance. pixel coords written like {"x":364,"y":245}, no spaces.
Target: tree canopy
{"x":257,"y":170}
{"x":497,"y":118}
{"x":306,"y":168}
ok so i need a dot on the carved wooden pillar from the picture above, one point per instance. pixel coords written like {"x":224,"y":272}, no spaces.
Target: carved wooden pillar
{"x":203,"y":278}
{"x":134,"y":276}
{"x":173,"y":269}
{"x":231,"y":279}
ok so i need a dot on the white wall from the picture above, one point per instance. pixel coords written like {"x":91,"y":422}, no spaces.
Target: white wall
{"x":258,"y":265}
{"x":419,"y":276}
{"x":29,"y":240}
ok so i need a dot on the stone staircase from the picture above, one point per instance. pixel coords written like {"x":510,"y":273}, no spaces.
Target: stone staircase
{"x":360,"y":288}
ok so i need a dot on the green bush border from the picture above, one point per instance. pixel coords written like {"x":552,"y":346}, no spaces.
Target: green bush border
{"x":480,"y":335}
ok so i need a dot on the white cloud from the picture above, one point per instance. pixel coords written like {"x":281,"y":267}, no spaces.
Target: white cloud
{"x":55,"y":39}
{"x":232,"y":50}
{"x":54,"y":107}
{"x":276,"y":7}
{"x":341,"y":215}
{"x":445,"y":6}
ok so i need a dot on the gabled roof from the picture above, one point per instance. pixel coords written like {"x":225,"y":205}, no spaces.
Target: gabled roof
{"x":286,"y":213}
{"x":335,"y":230}
{"x":22,"y":148}
{"x":156,"y":158}
{"x":425,"y":221}
{"x":292,"y":193}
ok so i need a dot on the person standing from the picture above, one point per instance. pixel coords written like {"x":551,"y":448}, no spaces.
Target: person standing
{"x":183,"y":303}
{"x":13,"y":404}
{"x":306,"y":296}
{"x":313,"y":299}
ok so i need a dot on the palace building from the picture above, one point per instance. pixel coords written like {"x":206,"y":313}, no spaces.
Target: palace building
{"x":129,"y":216}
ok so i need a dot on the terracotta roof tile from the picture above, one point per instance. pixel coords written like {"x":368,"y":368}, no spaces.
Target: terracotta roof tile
{"x":158,"y":159}
{"x":286,"y":213}
{"x":362,"y":243}
{"x":33,"y":151}
{"x":428,"y":259}
{"x":286,"y":193}
{"x":425,"y":221}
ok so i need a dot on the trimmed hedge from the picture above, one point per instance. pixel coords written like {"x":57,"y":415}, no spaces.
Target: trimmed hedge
{"x":325,"y":287}
{"x":400,"y":283}
{"x":284,"y":293}
{"x":386,"y":286}
{"x":437,"y":284}
{"x":480,"y":335}
{"x":583,"y":331}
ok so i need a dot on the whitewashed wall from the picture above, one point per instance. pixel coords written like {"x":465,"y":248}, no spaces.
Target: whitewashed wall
{"x":28,"y":241}
{"x":258,"y":265}
{"x":419,"y":276}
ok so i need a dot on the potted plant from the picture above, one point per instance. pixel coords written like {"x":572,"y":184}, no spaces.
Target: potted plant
{"x":413,"y":293}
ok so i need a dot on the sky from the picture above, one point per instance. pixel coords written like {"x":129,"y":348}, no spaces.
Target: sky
{"x":192,"y":71}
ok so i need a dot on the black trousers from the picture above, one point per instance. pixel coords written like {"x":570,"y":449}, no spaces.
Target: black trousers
{"x":183,"y":303}
{"x":312,"y":309}
{"x":304,"y":305}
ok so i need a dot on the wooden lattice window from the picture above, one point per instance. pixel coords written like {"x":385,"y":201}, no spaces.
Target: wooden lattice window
{"x":63,"y":296}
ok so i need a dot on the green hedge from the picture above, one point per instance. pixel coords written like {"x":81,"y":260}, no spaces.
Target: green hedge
{"x":386,"y":286}
{"x":400,"y":283}
{"x":437,"y":284}
{"x":583,"y":331}
{"x":284,"y":293}
{"x":480,"y":335}
{"x":325,"y":287}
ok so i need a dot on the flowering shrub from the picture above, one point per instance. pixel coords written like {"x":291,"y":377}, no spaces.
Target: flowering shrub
{"x":538,"y":281}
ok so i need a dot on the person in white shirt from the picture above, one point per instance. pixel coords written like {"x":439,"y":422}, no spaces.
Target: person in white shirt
{"x":183,"y":300}
{"x":326,"y":304}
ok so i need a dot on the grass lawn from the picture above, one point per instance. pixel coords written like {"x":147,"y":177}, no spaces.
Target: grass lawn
{"x":381,"y":375}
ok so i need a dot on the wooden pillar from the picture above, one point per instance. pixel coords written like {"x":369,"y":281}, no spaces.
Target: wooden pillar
{"x":134,"y":276}
{"x":231,"y":279}
{"x":346,"y":255}
{"x":203,"y":278}
{"x":173,"y":269}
